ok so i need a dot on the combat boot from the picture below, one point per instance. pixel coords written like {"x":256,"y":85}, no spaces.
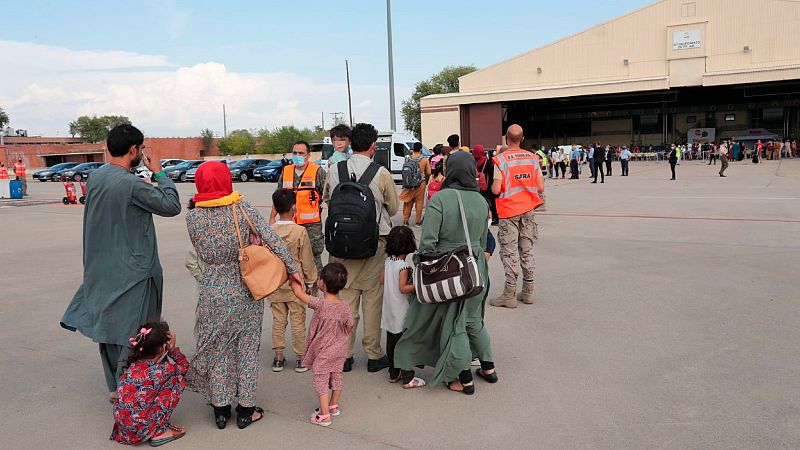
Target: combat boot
{"x":526,"y":296}
{"x":508,"y":299}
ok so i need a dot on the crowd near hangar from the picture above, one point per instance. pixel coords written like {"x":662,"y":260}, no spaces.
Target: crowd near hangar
{"x":671,"y":72}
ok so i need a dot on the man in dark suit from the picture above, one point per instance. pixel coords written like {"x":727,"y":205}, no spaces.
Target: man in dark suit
{"x":599,"y":157}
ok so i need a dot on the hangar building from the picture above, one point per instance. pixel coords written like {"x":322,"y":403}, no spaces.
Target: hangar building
{"x":671,"y":72}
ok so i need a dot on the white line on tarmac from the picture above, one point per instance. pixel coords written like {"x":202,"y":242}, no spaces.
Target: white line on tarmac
{"x":720,"y":198}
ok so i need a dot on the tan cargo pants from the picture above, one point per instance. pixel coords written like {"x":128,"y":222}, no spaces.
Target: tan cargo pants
{"x":296,"y":312}
{"x":516,"y":236}
{"x":364,"y":290}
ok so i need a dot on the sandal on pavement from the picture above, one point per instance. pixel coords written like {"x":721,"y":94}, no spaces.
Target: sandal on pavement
{"x":221,"y":415}
{"x":456,"y":386}
{"x":415,"y":383}
{"x":323,"y":420}
{"x":489,"y":377}
{"x":175,"y":434}
{"x":244,"y":415}
{"x":333,"y":410}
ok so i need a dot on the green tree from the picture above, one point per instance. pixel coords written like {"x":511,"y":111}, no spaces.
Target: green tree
{"x":444,"y":82}
{"x":208,"y":139}
{"x":263,"y":138}
{"x":3,"y":118}
{"x":238,"y":142}
{"x":281,"y":139}
{"x":95,"y":129}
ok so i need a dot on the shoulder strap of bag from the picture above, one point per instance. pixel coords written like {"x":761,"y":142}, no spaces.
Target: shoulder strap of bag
{"x":236,"y":222}
{"x":464,"y":221}
{"x":369,"y":174}
{"x":341,"y":166}
{"x":249,"y":222}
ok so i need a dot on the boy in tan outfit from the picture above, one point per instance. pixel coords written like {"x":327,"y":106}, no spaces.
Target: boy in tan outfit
{"x":283,"y":302}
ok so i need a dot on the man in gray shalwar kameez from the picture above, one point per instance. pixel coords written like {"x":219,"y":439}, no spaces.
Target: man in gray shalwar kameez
{"x":122,"y":279}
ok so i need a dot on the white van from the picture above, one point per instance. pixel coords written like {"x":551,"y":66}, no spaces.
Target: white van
{"x":392,"y":149}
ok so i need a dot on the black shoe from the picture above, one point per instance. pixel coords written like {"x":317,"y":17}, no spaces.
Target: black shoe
{"x":221,"y":415}
{"x":348,"y":364}
{"x":244,"y":415}
{"x":721,"y":175}
{"x":375,"y":365}
{"x":594,"y":182}
{"x":278,"y":364}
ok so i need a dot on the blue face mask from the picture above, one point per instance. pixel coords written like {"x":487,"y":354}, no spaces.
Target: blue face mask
{"x":298,"y":160}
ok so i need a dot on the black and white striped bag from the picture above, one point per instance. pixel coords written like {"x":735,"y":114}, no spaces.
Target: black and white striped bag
{"x":448,"y":277}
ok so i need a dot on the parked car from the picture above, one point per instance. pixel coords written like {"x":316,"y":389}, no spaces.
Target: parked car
{"x":270,"y":172}
{"x":242,"y":170}
{"x":170,"y":162}
{"x":190,"y":174}
{"x":78,"y":172}
{"x":178,"y":172}
{"x":48,"y":173}
{"x":143,"y":172}
{"x":87,"y":173}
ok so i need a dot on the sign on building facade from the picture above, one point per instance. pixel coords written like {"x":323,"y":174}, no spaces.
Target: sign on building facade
{"x":683,"y":40}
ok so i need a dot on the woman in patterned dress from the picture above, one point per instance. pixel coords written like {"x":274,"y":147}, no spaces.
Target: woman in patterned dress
{"x":229,"y":336}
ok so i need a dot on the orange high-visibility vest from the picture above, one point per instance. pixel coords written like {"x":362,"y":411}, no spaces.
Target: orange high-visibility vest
{"x":3,"y":173}
{"x":308,"y":199}
{"x":519,"y":192}
{"x":19,"y":169}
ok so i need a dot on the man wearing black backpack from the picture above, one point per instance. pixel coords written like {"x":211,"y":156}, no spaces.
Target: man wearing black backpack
{"x":362,"y":199}
{"x":416,"y":170}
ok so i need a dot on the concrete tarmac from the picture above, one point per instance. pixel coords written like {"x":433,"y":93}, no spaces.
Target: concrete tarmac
{"x":666,"y":316}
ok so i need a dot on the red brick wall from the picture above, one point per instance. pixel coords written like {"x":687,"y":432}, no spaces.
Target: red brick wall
{"x":34,"y":153}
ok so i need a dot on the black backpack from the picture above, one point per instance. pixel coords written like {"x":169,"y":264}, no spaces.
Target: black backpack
{"x":351,"y":229}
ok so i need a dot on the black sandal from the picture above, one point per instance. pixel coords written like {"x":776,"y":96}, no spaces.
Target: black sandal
{"x":467,"y":389}
{"x":221,"y":415}
{"x":491,"y":378}
{"x":244,"y":415}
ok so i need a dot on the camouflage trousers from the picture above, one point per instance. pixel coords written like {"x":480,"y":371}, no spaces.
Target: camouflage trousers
{"x":317,"y":239}
{"x":516,"y":236}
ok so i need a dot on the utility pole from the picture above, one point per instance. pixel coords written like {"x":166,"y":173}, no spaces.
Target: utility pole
{"x":336,"y":117}
{"x":224,"y":122}
{"x":349,"y":97}
{"x":392,"y":117}
{"x":322,"y":114}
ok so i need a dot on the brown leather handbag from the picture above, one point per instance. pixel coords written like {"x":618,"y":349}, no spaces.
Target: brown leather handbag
{"x":263,"y":272}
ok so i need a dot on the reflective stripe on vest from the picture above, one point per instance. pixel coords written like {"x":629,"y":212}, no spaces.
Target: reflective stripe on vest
{"x":308,"y":199}
{"x":520,"y":189}
{"x":19,"y":169}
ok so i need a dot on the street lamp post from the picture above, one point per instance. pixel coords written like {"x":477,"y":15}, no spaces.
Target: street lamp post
{"x":393,"y":119}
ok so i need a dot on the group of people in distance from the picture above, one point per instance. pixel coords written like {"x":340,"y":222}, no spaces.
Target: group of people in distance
{"x":145,"y":370}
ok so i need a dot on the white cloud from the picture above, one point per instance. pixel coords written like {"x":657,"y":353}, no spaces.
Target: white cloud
{"x":53,"y":85}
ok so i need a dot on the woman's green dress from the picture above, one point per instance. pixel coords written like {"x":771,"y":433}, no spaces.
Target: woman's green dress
{"x":448,"y":336}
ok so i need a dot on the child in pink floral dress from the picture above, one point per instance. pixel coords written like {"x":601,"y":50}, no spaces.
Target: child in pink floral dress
{"x":150,"y":388}
{"x":328,"y":337}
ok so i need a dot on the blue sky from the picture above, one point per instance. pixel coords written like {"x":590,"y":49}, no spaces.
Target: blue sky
{"x":169,"y":65}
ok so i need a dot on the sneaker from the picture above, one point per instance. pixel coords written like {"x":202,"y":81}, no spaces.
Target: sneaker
{"x":405,"y":224}
{"x":376,"y":365}
{"x":476,"y":362}
{"x":348,"y":364}
{"x":299,"y":367}
{"x":277,"y":364}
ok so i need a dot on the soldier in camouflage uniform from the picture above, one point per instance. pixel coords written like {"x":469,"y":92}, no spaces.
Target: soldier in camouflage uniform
{"x":519,"y":185}
{"x":300,"y":163}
